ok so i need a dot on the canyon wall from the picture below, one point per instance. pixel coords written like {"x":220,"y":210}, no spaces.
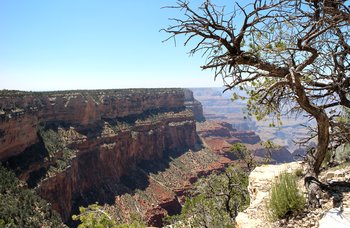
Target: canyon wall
{"x":194,"y":105}
{"x":68,"y":144}
{"x":21,"y":112}
{"x":219,"y":137}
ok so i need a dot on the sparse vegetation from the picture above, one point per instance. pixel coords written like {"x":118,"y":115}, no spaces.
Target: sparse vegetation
{"x":242,"y":153}
{"x":95,"y":216}
{"x":216,"y":201}
{"x":298,"y":172}
{"x":285,"y":198}
{"x":342,"y":153}
{"x":59,"y":154}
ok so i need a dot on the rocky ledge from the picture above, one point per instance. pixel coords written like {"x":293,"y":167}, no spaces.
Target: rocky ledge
{"x":219,"y":136}
{"x":260,"y":181}
{"x":335,"y":210}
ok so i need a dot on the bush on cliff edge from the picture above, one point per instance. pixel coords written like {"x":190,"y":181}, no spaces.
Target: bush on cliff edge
{"x":285,"y":197}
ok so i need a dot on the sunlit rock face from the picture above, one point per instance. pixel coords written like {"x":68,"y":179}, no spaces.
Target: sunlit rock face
{"x":219,"y":136}
{"x":194,"y":105}
{"x":68,"y":144}
{"x":22,"y":112}
{"x":260,"y":182}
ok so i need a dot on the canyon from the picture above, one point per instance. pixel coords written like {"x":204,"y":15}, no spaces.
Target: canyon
{"x":218,"y":105}
{"x":69,"y":144}
{"x":134,"y":151}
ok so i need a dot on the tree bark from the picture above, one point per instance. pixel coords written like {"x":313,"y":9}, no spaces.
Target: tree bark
{"x":315,"y":157}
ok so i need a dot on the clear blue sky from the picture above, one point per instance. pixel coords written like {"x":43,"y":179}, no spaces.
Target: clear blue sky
{"x":92,"y":44}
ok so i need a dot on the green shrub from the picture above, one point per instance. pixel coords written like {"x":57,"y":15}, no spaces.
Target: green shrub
{"x":299,"y":172}
{"x":95,"y":216}
{"x":22,"y":207}
{"x":327,"y":158}
{"x":285,"y":197}
{"x":215,"y":201}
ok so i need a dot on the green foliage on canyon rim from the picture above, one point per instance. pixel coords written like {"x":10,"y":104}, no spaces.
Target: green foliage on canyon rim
{"x":60,"y":155}
{"x":95,"y":216}
{"x":22,"y":207}
{"x":242,"y":153}
{"x":285,"y":197}
{"x":215,"y":201}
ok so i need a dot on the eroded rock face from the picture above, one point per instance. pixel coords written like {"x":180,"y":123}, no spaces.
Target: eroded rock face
{"x":166,"y":188}
{"x":276,"y":155}
{"x":248,"y":137}
{"x":69,"y":144}
{"x":194,"y":105}
{"x":21,"y":112}
{"x":220,"y":135}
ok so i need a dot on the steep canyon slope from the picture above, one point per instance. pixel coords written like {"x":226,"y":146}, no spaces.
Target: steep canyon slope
{"x":135,"y":151}
{"x":73,"y":146}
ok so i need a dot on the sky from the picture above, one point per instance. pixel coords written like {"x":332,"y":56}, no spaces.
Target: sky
{"x":93,"y":44}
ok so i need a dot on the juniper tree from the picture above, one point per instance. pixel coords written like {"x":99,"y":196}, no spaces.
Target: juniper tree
{"x":290,"y":56}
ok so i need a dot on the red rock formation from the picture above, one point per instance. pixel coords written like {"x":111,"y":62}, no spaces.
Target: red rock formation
{"x":223,"y":129}
{"x":168,"y":188}
{"x":279,"y":154}
{"x":108,"y":132}
{"x":214,"y":129}
{"x":219,"y":137}
{"x":248,"y":137}
{"x":194,"y":105}
{"x":21,"y":112}
{"x":218,"y":145}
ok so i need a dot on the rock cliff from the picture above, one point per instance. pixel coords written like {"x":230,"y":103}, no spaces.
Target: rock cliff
{"x":21,"y":112}
{"x":219,"y":136}
{"x":194,"y":105}
{"x":69,"y":145}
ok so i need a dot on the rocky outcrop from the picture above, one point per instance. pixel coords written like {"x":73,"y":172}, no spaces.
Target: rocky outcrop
{"x":219,"y":137}
{"x":248,"y":137}
{"x":224,"y":129}
{"x":260,"y":181}
{"x":194,"y":105}
{"x":277,"y":154}
{"x":71,"y":145}
{"x":335,"y":210}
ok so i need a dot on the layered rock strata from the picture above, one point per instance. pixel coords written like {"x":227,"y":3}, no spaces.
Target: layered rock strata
{"x":162,"y":192}
{"x":69,"y":145}
{"x":220,"y":136}
{"x":21,"y":112}
{"x":194,"y":105}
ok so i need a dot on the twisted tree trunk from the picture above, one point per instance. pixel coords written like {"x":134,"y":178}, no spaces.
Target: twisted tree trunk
{"x":315,"y":157}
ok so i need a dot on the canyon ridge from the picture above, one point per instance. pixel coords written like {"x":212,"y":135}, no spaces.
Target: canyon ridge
{"x":132,"y":150}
